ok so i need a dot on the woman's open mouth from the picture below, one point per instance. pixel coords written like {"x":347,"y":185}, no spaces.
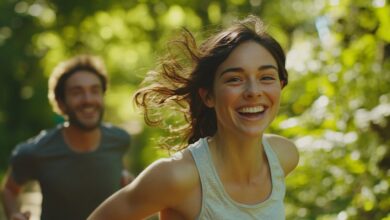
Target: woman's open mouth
{"x":252,"y":111}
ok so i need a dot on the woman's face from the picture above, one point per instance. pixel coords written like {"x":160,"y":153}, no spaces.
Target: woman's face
{"x":246,"y":91}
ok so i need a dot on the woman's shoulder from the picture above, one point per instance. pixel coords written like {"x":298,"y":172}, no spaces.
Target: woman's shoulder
{"x":183,"y":169}
{"x":285,"y":150}
{"x":176,"y":176}
{"x":174,"y":183}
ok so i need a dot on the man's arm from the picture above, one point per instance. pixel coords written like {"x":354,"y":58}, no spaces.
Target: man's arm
{"x":9,"y":195}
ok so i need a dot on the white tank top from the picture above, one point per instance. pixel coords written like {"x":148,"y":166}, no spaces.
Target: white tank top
{"x":218,"y":205}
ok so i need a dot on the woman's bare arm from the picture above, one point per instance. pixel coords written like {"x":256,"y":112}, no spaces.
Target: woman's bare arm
{"x":162,"y":185}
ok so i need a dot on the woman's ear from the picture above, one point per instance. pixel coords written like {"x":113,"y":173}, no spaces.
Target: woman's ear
{"x":206,"y":97}
{"x":282,"y":83}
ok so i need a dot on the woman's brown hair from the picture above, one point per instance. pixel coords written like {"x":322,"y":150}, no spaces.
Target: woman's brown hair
{"x":179,"y":82}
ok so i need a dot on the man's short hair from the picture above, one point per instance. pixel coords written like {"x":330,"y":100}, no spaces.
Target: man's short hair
{"x":66,"y":69}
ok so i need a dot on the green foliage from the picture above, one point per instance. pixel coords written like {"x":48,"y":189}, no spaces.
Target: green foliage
{"x":336,"y":106}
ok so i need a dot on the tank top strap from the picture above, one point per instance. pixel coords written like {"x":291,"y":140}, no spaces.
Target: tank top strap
{"x":205,"y":167}
{"x":277,"y":173}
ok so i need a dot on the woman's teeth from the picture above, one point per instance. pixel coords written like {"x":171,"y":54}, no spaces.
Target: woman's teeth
{"x":255,"y":109}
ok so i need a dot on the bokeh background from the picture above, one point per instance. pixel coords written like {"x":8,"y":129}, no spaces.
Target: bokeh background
{"x":336,"y":107}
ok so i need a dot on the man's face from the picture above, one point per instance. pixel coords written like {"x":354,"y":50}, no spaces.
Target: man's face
{"x":83,"y":102}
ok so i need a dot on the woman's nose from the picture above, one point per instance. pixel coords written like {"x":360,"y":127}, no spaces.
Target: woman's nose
{"x":253,"y":89}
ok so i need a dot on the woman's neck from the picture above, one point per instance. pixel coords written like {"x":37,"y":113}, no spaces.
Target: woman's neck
{"x":239,"y":159}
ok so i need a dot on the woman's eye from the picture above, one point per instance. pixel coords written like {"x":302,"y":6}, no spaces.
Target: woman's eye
{"x":233,"y":79}
{"x":267,"y":78}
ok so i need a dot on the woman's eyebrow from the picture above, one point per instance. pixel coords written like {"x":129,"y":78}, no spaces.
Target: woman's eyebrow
{"x":231,"y":69}
{"x":265,"y":67}
{"x":239,"y":69}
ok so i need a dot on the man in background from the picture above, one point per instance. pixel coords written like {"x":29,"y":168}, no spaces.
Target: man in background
{"x":78,"y":164}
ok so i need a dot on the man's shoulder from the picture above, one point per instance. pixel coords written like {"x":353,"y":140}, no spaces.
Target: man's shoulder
{"x":36,"y":142}
{"x":114,"y":133}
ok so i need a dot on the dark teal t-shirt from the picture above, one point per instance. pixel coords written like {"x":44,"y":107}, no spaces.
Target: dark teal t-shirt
{"x":73,"y":184}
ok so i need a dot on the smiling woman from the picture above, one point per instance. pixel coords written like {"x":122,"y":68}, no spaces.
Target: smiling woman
{"x":228,"y":168}
{"x":246,"y":91}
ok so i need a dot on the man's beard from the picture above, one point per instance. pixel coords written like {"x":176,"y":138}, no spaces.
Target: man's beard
{"x":74,"y":121}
